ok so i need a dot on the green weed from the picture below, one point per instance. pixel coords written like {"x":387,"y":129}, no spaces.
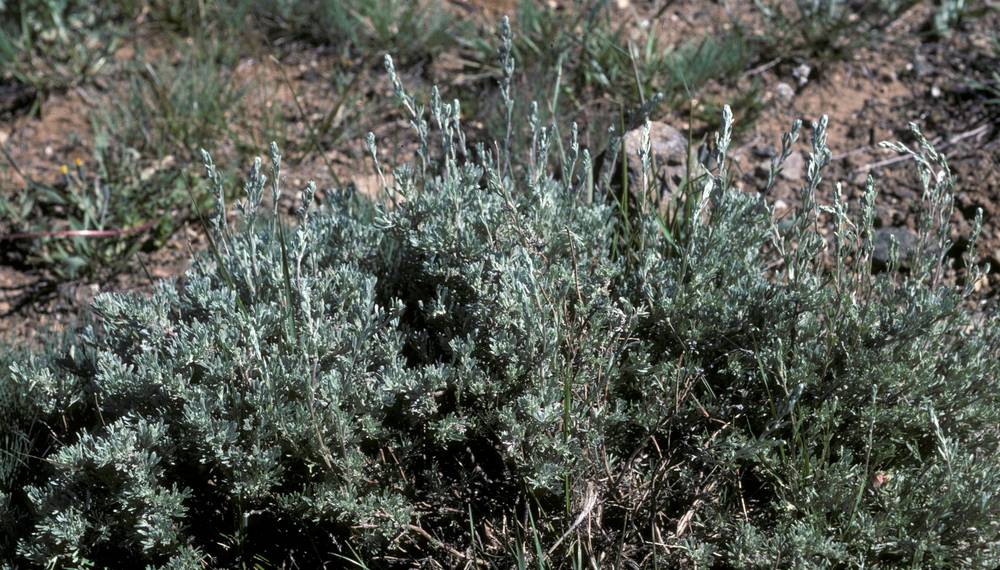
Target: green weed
{"x":90,"y":223}
{"x":53,"y":44}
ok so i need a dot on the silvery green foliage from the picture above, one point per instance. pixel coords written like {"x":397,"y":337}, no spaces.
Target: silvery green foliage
{"x":948,"y":15}
{"x":493,"y":350}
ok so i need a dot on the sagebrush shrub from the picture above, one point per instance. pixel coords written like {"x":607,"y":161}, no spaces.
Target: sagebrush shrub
{"x":495,"y":365}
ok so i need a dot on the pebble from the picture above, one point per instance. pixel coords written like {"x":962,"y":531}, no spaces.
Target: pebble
{"x":905,"y":238}
{"x":793,"y":167}
{"x":802,"y":73}
{"x":784,"y":91}
{"x":669,"y":150}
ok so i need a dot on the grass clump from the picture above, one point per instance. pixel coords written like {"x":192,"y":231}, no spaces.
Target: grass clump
{"x":56,"y":44}
{"x":178,"y":107}
{"x":495,"y":366}
{"x":825,"y":29}
{"x":416,"y":30}
{"x":606,"y":75}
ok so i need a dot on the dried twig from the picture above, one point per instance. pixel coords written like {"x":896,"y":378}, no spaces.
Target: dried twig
{"x":430,"y":538}
{"x":588,"y":506}
{"x":118,"y":232}
{"x":938,"y":143}
{"x":761,"y":68}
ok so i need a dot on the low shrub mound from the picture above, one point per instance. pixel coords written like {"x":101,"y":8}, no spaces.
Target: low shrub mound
{"x":502,"y":364}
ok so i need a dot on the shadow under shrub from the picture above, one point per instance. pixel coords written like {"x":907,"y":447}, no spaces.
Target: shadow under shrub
{"x":478,"y":371}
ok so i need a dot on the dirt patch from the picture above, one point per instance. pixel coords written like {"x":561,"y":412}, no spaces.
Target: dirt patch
{"x":33,"y":307}
{"x":38,"y":144}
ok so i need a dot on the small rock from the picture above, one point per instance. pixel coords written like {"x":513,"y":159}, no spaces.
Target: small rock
{"x":801,"y":73}
{"x":764,"y":151}
{"x":79,"y":294}
{"x":793,"y":167}
{"x":906,"y":240}
{"x":784,"y":91}
{"x":667,"y":144}
{"x":922,"y":67}
{"x":669,"y":151}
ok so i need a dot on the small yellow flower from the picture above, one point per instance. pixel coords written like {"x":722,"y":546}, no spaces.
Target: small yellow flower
{"x":64,"y":170}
